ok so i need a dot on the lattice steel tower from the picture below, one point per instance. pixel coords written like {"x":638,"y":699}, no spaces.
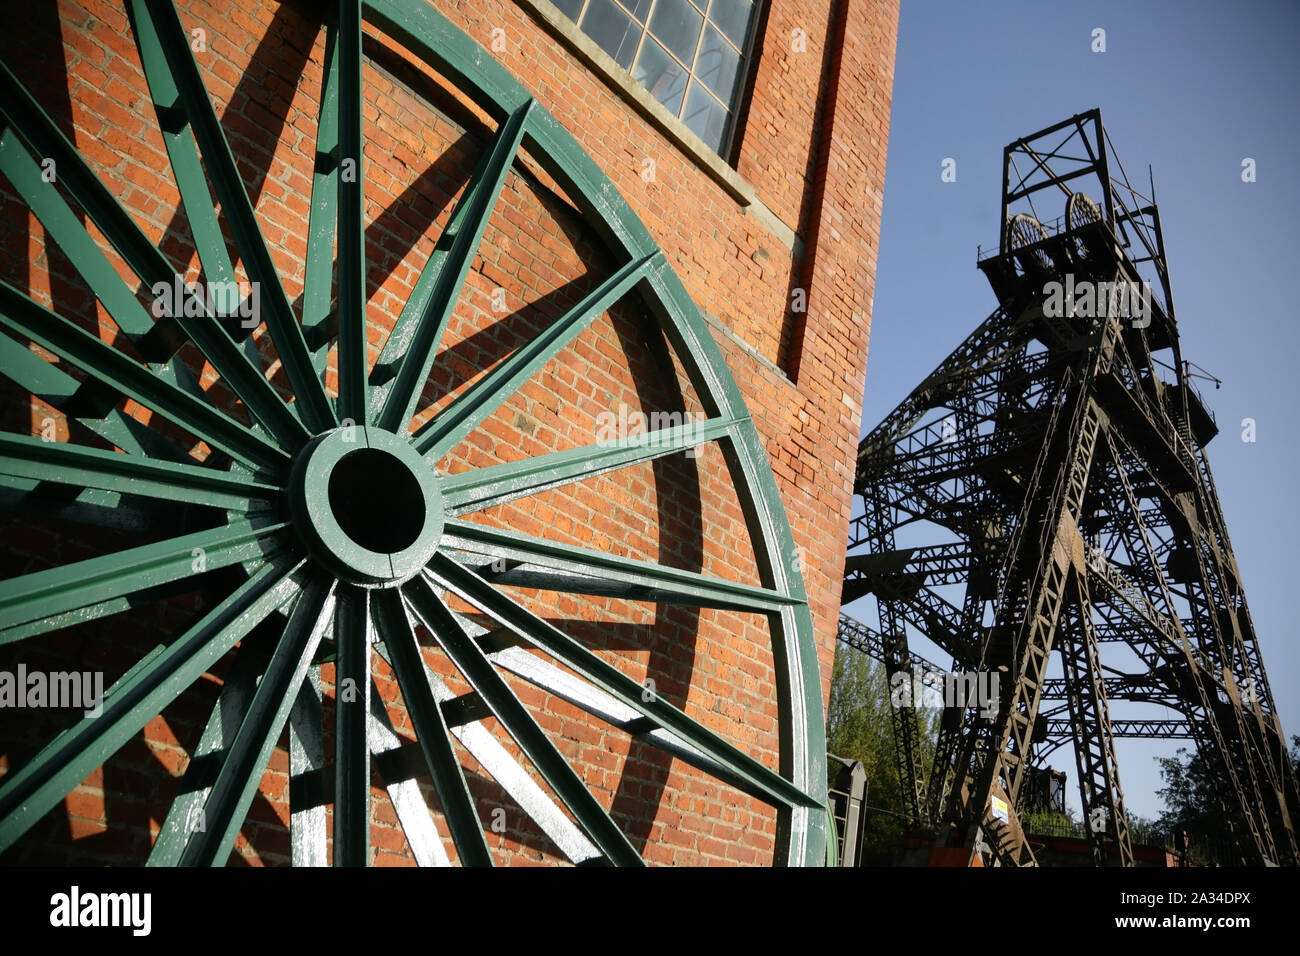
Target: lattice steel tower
{"x":1046,"y":489}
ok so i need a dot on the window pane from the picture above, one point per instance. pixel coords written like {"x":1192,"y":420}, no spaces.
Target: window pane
{"x":732,"y":18}
{"x":611,"y":28}
{"x":718,"y":64}
{"x":705,"y":116}
{"x":661,"y":75}
{"x":570,"y":8}
{"x":677,"y":25}
{"x":638,"y":8}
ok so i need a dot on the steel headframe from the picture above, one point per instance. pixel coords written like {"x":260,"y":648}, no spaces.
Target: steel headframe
{"x":1046,"y":489}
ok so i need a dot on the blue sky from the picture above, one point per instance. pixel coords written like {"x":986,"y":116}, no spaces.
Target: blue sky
{"x":1192,"y":89}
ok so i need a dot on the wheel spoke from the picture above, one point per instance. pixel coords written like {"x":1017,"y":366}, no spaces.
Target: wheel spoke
{"x":599,"y":573}
{"x":446,"y":270}
{"x":318,"y":316}
{"x":245,"y":378}
{"x":64,"y":229}
{"x":316,"y":411}
{"x":351,"y":711}
{"x":465,"y":584}
{"x":26,"y":318}
{"x":27,"y":793}
{"x":249,"y":753}
{"x":351,"y":220}
{"x":483,"y":488}
{"x":506,"y":707}
{"x":552,"y":679}
{"x":30,"y":457}
{"x":307,"y":836}
{"x":84,"y":590}
{"x":185,"y":817}
{"x":513,"y":778}
{"x":405,"y":795}
{"x":182,"y":151}
{"x":441,"y":434}
{"x":431,"y":729}
{"x":53,"y":385}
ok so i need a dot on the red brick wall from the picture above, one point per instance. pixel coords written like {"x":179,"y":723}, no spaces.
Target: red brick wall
{"x":813,"y":148}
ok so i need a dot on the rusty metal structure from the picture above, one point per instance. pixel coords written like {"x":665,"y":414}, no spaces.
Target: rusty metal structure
{"x":1041,"y":507}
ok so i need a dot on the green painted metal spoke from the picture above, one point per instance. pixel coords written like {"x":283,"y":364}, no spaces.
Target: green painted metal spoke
{"x":431,"y":729}
{"x":505,"y":706}
{"x":244,"y":377}
{"x":71,"y":236}
{"x":405,"y":795}
{"x":27,"y":793}
{"x":40,"y":378}
{"x":351,"y":221}
{"x":611,"y":574}
{"x":307,"y":833}
{"x":30,"y":457}
{"x":319,"y":320}
{"x":187,"y":816}
{"x":482,"y":488}
{"x":174,"y":55}
{"x":241,"y":770}
{"x":21,"y":316}
{"x":67,"y":232}
{"x":513,"y":778}
{"x":83,"y":590}
{"x":554,"y":680}
{"x":456,"y":421}
{"x":546,"y":637}
{"x":351,"y":745}
{"x":412,"y":319}
{"x":182,"y":152}
{"x":448,"y":266}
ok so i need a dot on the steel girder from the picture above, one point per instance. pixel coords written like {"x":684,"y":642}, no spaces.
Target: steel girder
{"x":1078,"y":492}
{"x":303,"y":584}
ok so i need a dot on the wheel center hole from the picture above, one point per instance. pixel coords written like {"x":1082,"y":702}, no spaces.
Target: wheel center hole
{"x":376,"y":500}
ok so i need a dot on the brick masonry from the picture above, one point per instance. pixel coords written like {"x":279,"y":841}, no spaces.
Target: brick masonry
{"x":812,"y":147}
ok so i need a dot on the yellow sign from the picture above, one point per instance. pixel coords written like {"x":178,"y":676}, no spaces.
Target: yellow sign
{"x":999,"y":809}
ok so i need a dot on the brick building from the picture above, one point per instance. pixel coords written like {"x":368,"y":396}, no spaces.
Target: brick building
{"x":750,"y":142}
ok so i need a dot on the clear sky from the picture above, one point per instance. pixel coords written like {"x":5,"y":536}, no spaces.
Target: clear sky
{"x":1191,"y":88}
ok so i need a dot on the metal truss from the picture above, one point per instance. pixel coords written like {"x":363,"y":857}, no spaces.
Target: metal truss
{"x":1041,"y":508}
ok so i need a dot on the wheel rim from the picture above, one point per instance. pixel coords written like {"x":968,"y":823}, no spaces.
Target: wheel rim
{"x":1080,"y":211}
{"x":289,"y":493}
{"x":1025,"y":230}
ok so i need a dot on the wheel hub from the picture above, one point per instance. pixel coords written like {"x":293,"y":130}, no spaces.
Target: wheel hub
{"x":366,"y":504}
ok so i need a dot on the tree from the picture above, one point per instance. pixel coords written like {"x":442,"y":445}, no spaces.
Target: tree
{"x":1188,"y":796}
{"x":859,"y":727}
{"x":1191,"y":804}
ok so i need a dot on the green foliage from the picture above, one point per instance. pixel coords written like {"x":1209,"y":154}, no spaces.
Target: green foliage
{"x":1190,"y":804}
{"x":859,"y":727}
{"x":1048,"y":822}
{"x":1188,"y":796}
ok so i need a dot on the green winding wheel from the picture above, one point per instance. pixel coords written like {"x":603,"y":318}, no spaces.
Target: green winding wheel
{"x":336,"y":532}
